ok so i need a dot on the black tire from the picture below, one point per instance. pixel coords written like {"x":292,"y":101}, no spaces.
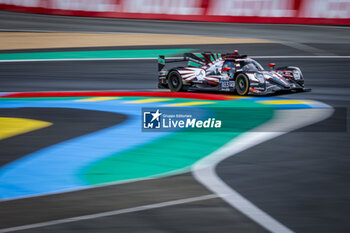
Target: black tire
{"x":175,"y":82}
{"x":242,"y":84}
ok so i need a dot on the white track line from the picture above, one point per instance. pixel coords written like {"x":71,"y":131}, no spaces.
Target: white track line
{"x":284,"y":121}
{"x":109,"y":213}
{"x":154,"y":58}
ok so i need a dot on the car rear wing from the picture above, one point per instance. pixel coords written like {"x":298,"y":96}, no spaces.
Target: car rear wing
{"x":162,"y":60}
{"x":198,"y":59}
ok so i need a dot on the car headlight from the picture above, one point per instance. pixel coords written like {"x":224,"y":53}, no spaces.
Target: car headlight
{"x":260,"y":77}
{"x":297,"y":74}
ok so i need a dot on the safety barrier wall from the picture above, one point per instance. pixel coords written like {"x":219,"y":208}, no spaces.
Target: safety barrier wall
{"x":335,"y":12}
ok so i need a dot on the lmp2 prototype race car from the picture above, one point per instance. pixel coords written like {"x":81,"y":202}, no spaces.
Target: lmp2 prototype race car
{"x":229,"y":72}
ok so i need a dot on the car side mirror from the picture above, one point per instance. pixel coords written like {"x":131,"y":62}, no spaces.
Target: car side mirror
{"x":226,"y":68}
{"x":272,"y":66}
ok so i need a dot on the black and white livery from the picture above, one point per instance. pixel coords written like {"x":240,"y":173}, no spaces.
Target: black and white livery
{"x":229,"y":72}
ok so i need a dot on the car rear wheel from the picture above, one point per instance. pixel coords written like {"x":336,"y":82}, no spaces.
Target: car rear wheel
{"x":242,"y":84}
{"x":175,"y":82}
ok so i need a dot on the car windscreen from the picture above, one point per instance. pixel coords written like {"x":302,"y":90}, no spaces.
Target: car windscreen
{"x":251,"y":66}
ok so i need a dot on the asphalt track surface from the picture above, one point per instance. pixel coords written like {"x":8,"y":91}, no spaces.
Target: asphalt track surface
{"x":301,"y":178}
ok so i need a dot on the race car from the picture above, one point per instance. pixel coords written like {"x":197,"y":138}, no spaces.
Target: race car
{"x":230,"y":72}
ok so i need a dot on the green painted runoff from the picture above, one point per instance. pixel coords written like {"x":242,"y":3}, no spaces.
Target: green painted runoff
{"x":106,"y":54}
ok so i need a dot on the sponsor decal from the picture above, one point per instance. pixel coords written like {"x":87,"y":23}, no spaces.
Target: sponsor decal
{"x":225,"y":85}
{"x":232,"y":84}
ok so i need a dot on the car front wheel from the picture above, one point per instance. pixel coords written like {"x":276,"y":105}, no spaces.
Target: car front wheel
{"x":242,"y":84}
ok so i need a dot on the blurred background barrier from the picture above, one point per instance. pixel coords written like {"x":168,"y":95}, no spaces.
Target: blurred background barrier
{"x":335,"y":12}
